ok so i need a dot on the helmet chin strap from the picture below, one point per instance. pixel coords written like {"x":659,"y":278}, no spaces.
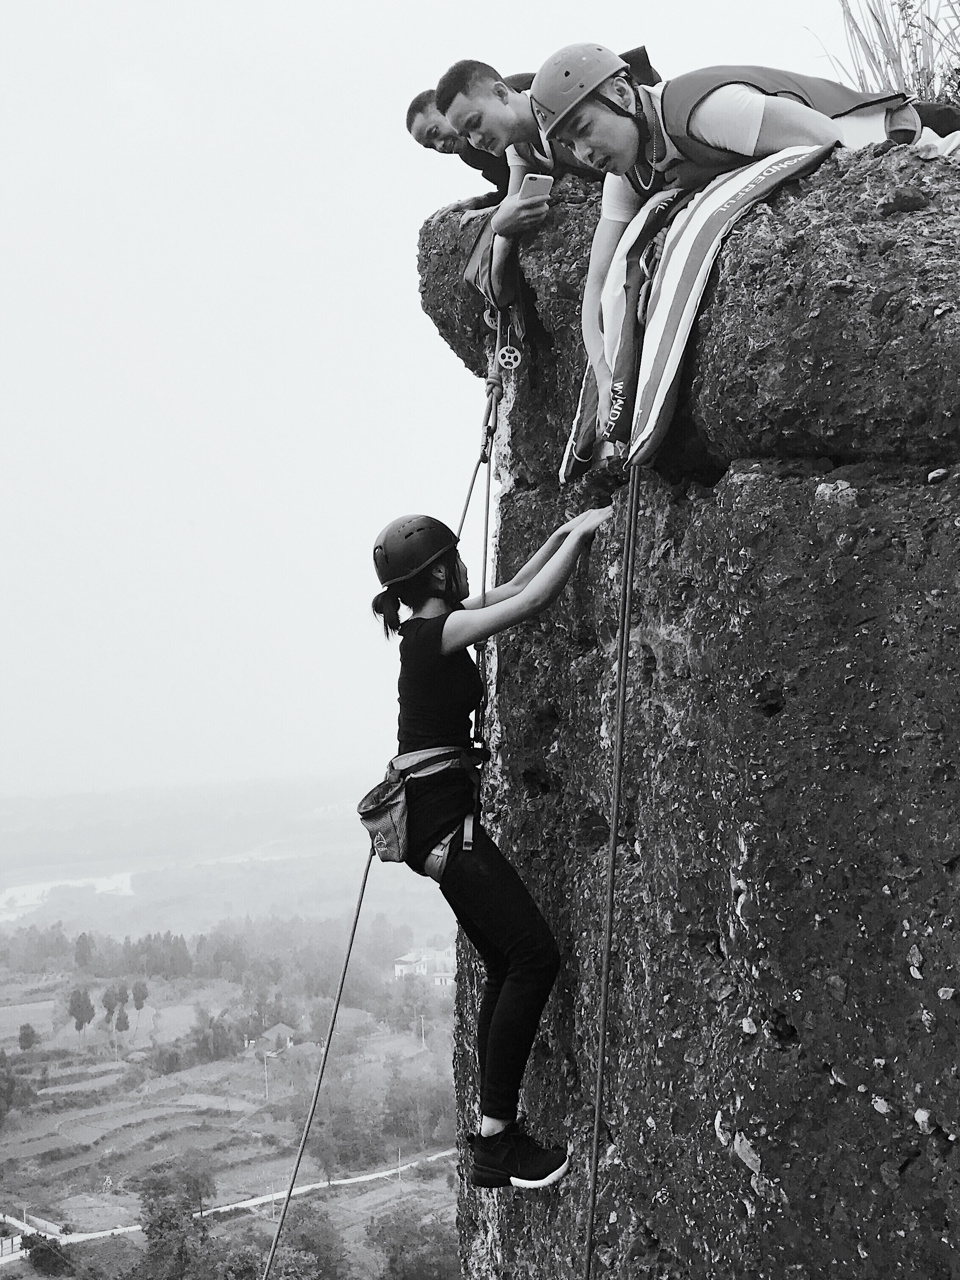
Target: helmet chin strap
{"x":636,"y":114}
{"x":638,"y":118}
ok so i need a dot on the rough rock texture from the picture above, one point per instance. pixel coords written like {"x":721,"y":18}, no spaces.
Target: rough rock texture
{"x":782,"y":1088}
{"x":831,"y":326}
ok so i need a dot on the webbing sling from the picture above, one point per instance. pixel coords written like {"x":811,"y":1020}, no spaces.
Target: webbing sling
{"x":623,"y":657}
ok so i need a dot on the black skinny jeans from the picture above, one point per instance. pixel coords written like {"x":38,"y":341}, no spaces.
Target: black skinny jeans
{"x":519,"y":955}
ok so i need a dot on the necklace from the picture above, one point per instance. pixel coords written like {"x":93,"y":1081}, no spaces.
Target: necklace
{"x":637,"y":181}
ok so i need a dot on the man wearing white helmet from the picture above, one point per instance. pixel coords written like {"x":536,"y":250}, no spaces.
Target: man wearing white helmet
{"x":684,"y":132}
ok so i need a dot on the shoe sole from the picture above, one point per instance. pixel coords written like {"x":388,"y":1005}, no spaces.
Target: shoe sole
{"x":494,"y":1178}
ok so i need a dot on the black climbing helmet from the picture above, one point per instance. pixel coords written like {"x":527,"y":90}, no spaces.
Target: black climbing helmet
{"x":408,"y":545}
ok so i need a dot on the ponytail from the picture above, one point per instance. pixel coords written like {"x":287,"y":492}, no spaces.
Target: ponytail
{"x":386,"y":606}
{"x":413,"y":592}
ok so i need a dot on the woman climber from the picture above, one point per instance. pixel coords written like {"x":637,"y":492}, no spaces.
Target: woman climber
{"x":418,"y":565}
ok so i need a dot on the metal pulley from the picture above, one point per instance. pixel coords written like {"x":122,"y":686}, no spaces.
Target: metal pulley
{"x":508,"y":356}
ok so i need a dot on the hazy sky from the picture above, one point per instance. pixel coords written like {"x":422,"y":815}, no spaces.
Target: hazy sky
{"x":216,"y":383}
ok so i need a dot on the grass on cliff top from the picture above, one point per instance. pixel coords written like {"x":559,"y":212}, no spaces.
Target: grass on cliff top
{"x":912,"y":45}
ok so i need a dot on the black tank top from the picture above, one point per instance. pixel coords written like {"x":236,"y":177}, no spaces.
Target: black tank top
{"x":438,"y":694}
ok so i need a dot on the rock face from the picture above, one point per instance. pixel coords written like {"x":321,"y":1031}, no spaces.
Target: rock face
{"x":782,"y":1088}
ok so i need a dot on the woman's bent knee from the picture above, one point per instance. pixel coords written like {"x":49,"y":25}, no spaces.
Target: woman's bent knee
{"x":542,"y":964}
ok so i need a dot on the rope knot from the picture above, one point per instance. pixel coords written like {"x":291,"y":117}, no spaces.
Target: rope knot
{"x":494,"y":387}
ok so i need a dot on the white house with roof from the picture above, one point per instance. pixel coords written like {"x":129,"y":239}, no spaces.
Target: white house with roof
{"x":437,"y":964}
{"x":272,"y":1041}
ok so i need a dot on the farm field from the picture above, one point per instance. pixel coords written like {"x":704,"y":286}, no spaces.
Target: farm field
{"x":122,"y":1061}
{"x":76,"y":1165}
{"x":101,"y":1119}
{"x":351,"y":1210}
{"x":39,"y":1013}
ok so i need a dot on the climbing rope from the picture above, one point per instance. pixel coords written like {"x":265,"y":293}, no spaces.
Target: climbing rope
{"x":323,"y":1063}
{"x":491,"y":412}
{"x":623,"y":657}
{"x":505,"y":356}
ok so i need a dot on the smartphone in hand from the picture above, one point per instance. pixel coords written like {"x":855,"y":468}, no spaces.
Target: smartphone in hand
{"x":535,"y":186}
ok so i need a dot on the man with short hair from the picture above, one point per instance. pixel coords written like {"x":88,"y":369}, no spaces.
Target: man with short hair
{"x":492,"y":115}
{"x":431,"y":130}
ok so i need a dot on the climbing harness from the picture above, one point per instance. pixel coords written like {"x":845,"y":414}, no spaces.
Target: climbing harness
{"x":505,"y":356}
{"x":323,"y":1063}
{"x":623,"y":657}
{"x":383,"y":810}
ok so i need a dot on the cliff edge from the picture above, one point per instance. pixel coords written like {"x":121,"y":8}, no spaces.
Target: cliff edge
{"x":782,"y":1090}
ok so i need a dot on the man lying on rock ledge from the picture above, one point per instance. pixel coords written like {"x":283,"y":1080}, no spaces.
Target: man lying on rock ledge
{"x":687,"y":130}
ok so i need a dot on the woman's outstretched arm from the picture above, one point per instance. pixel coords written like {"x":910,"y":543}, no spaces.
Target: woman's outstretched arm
{"x":507,"y":590}
{"x":464,"y":627}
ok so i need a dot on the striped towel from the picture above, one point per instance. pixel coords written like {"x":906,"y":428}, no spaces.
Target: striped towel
{"x":650,"y":300}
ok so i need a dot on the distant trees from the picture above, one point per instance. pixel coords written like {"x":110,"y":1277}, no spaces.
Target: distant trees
{"x":270,"y":1009}
{"x":175,"y":1238}
{"x":140,"y":994}
{"x":221,"y":955}
{"x":188,"y":1179}
{"x":383,"y":941}
{"x":158,"y":955}
{"x":348,"y":1129}
{"x":80,"y":1008}
{"x":260,"y":955}
{"x":110,"y":999}
{"x":35,"y":950}
{"x":47,"y":1256}
{"x":418,"y":1105}
{"x":415,"y":1247}
{"x":320,"y":1016}
{"x":309,"y":1230}
{"x":179,"y":1248}
{"x":212,"y":1038}
{"x":114,"y":1001}
{"x":243,"y":1262}
{"x":14,"y":1091}
{"x":28,"y":1036}
{"x":177,"y":1245}
{"x":208,"y":1040}
{"x":83,"y":952}
{"x":405,"y":999}
{"x":356,"y":1129}
{"x":166,"y":1059}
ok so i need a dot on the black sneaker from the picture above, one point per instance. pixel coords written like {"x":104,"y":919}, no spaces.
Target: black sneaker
{"x":512,"y":1158}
